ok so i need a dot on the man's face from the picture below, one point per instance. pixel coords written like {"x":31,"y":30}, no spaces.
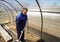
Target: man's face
{"x":24,"y":11}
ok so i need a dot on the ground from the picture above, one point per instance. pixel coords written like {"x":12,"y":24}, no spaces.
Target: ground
{"x":28,"y":36}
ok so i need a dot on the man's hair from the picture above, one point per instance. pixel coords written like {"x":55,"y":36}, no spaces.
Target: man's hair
{"x":25,"y":8}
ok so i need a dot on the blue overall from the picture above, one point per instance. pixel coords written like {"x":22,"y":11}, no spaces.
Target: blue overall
{"x":20,"y":24}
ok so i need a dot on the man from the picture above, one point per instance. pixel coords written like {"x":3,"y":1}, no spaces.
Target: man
{"x":21,"y":22}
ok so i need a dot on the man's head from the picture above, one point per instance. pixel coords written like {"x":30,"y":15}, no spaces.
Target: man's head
{"x":24,"y":11}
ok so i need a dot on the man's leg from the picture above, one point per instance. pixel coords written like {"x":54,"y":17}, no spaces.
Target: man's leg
{"x":18,"y":33}
{"x":22,"y":38}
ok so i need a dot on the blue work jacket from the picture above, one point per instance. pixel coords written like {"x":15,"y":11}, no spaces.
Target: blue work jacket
{"x":21,"y":21}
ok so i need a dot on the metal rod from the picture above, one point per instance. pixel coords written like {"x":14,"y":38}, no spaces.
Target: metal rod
{"x":19,"y":3}
{"x":9,"y":10}
{"x":10,"y":5}
{"x":6,"y":10}
{"x":41,"y":19}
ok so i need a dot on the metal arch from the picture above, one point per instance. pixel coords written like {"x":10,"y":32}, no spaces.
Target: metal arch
{"x":19,"y":3}
{"x":9,"y":10}
{"x":5,"y":9}
{"x":10,"y":5}
{"x":41,"y":18}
